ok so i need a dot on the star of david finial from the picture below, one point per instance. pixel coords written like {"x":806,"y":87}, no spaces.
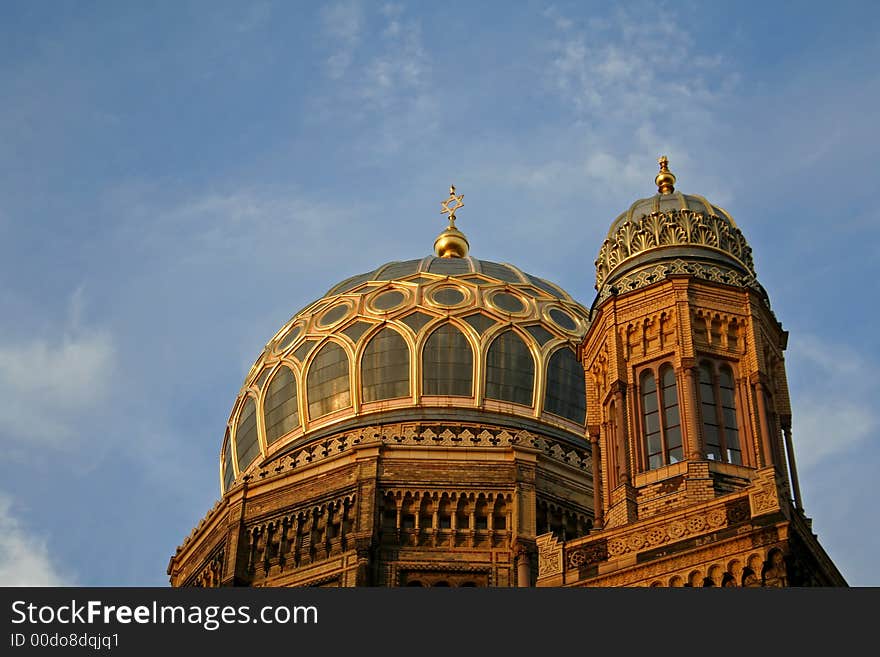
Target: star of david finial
{"x":451,"y":205}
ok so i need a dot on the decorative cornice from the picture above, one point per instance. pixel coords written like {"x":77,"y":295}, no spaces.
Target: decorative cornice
{"x":418,"y":435}
{"x":655,"y":272}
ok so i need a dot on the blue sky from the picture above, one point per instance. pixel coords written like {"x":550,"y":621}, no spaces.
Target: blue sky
{"x":178,"y":178}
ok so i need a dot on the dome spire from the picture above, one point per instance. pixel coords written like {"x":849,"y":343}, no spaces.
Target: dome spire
{"x":665,"y":180}
{"x":451,"y":243}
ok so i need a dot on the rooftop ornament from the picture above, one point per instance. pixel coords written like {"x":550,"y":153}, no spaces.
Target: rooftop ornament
{"x":451,"y":243}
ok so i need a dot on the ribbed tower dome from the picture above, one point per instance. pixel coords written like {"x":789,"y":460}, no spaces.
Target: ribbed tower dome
{"x":672,"y":233}
{"x":425,"y":339}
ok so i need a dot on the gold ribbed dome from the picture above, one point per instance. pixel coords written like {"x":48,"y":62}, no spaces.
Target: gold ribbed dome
{"x":672,"y":232}
{"x":364,"y":353}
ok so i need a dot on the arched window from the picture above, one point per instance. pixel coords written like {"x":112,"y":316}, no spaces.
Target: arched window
{"x":328,"y":387}
{"x":661,"y":422}
{"x":447,"y":363}
{"x":280,"y":410}
{"x":246,"y":444}
{"x":510,"y":370}
{"x":385,"y":367}
{"x":718,"y":406}
{"x":228,"y":472}
{"x":565,"y":394}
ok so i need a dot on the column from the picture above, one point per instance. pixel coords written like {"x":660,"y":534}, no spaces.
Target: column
{"x":623,"y":465}
{"x":694,"y":425}
{"x":792,"y":468}
{"x":763,"y":425}
{"x":598,"y":520}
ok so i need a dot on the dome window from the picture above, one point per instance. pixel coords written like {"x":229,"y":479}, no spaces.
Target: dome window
{"x":328,"y":384}
{"x":447,"y":363}
{"x":562,"y":319}
{"x":290,"y":338}
{"x":334,"y":314}
{"x":508,"y":303}
{"x":447,"y":296}
{"x":280,"y":407}
{"x":565,"y":394}
{"x":247,"y":447}
{"x":228,"y":470}
{"x":388,"y":300}
{"x":385,"y":367}
{"x":510,"y":370}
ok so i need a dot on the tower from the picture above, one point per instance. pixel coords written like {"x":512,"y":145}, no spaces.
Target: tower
{"x":688,"y":414}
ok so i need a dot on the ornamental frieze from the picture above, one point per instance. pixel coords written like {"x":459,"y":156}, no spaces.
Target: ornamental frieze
{"x":659,"y":534}
{"x":416,"y":435}
{"x":673,"y":228}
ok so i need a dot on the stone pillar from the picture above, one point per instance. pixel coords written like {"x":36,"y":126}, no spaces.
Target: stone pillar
{"x":764,"y":425}
{"x":692,"y":419}
{"x":623,"y":465}
{"x":598,"y":520}
{"x":523,"y":567}
{"x":792,"y":467}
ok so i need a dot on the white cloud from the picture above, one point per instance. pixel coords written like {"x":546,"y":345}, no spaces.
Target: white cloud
{"x":831,"y":413}
{"x":24,"y":557}
{"x":381,"y":82}
{"x":46,"y":385}
{"x":342,"y":23}
{"x":634,"y":86}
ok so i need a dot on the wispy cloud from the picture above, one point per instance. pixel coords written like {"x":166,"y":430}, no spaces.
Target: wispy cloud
{"x":381,"y":73}
{"x":633,"y":85}
{"x":342,"y":22}
{"x":832,"y":412}
{"x":24,"y":556}
{"x":47,"y":384}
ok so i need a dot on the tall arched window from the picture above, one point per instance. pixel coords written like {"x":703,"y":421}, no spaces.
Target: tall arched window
{"x":565,"y":394}
{"x":447,"y":363}
{"x":661,"y":420}
{"x":510,"y":370}
{"x":228,"y":471}
{"x":328,"y":386}
{"x":280,"y":410}
{"x":718,"y":406}
{"x":385,"y":367}
{"x":246,"y":444}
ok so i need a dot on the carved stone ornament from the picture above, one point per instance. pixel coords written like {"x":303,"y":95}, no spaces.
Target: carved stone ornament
{"x":671,"y":228}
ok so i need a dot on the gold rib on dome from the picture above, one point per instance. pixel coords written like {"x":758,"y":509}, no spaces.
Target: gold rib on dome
{"x":451,"y":243}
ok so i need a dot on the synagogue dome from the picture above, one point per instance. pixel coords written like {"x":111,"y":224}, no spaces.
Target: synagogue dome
{"x":418,"y":340}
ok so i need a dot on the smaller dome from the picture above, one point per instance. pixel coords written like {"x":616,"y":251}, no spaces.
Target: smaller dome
{"x":671,"y":233}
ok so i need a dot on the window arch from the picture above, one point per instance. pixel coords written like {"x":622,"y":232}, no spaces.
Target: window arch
{"x":280,"y":411}
{"x":228,"y":471}
{"x":565,"y":395}
{"x":510,"y":370}
{"x":718,"y":407}
{"x":328,"y":385}
{"x":661,"y":419}
{"x":385,"y":367}
{"x":246,"y":444}
{"x":447,"y":363}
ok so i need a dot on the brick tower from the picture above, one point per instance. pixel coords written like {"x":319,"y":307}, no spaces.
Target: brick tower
{"x":688,"y":414}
